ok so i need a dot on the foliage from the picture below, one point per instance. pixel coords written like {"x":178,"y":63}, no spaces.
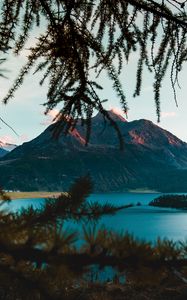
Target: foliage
{"x":37,"y":248}
{"x":86,"y":37}
{"x":3,"y":196}
{"x":39,"y":257}
{"x":42,"y":256}
{"x":167,"y":249}
{"x":125,"y":246}
{"x":96,"y":240}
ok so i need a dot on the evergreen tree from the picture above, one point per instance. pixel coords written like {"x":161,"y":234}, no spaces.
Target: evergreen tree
{"x":39,"y":257}
{"x":81,"y":36}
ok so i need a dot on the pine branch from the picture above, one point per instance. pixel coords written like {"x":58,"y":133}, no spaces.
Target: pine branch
{"x":158,"y":10}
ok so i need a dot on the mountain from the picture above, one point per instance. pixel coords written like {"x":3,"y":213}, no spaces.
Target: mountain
{"x":5,"y":148}
{"x":152,"y":158}
{"x":3,"y":152}
{"x":8,"y":147}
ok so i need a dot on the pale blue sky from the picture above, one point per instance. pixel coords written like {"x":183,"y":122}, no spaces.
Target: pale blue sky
{"x":25,"y":112}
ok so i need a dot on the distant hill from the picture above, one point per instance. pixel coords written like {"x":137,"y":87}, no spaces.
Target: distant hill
{"x":152,"y":158}
{"x":5,"y":148}
{"x":171,"y":201}
{"x":3,"y":152}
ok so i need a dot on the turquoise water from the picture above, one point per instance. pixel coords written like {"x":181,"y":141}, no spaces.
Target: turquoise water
{"x":143,"y":221}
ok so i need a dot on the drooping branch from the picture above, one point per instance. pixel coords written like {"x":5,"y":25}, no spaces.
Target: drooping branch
{"x":159,"y":10}
{"x":83,"y":37}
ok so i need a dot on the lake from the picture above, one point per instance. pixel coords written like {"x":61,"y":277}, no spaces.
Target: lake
{"x":143,"y":222}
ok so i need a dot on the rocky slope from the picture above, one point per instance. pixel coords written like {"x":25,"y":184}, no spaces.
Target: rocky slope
{"x":152,"y":158}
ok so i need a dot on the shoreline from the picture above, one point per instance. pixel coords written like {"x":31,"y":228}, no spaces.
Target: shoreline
{"x":43,"y":194}
{"x":28,"y":195}
{"x":142,"y":191}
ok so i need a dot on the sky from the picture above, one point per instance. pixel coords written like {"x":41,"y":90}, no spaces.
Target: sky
{"x":25,"y":112}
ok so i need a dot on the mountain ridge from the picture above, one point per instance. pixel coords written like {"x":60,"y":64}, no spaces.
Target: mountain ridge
{"x":152,"y":158}
{"x":5,"y":148}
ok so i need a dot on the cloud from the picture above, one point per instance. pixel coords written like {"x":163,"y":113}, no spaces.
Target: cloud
{"x":11,"y":140}
{"x":168,"y":114}
{"x":50,"y":117}
{"x":117,"y":110}
{"x":53,"y":113}
{"x":7,"y":139}
{"x":24,"y":138}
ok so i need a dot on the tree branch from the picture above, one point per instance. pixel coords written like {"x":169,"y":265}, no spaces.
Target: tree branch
{"x":157,"y":9}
